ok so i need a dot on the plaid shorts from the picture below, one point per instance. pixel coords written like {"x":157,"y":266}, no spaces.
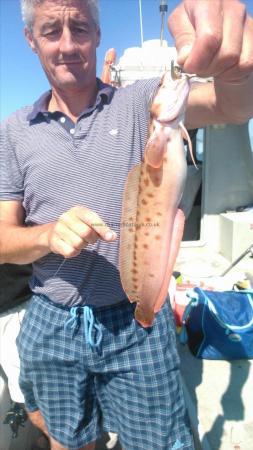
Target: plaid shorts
{"x":103,"y":371}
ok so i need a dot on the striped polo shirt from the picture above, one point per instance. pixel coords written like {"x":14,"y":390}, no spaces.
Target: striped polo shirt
{"x":51,"y":164}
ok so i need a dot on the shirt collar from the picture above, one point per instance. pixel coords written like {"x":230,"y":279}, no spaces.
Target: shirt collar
{"x":40,"y":107}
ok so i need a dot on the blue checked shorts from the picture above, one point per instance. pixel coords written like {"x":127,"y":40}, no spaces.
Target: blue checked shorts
{"x":91,"y":369}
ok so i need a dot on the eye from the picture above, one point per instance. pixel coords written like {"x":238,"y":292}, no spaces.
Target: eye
{"x":80,"y":30}
{"x":51,"y":33}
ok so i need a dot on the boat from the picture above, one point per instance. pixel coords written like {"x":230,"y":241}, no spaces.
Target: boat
{"x":217,"y":249}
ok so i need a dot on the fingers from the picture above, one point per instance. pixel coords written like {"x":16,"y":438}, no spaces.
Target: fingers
{"x":95,"y":223}
{"x":230,"y":49}
{"x":244,"y":67}
{"x":183,"y":33}
{"x":77,"y":228}
{"x":206,"y":17}
{"x":197,"y":29}
{"x":213,"y":38}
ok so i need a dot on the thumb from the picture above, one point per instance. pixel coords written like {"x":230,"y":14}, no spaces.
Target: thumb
{"x":183,"y":33}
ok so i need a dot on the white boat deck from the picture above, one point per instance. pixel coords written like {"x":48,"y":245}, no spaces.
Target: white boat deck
{"x":219,"y":397}
{"x":219,"y":394}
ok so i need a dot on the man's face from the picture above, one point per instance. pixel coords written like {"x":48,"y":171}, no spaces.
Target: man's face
{"x":65,"y":38}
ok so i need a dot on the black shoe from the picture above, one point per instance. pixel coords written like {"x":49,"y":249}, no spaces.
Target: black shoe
{"x":16,"y":417}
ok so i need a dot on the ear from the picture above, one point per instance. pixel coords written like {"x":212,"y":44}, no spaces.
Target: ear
{"x":30,"y":39}
{"x":98,"y":37}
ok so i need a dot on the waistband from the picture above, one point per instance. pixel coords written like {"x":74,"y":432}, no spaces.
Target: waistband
{"x":94,"y":307}
{"x":92,"y":328}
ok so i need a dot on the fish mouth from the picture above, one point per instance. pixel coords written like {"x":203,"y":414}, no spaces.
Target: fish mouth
{"x":166,"y":122}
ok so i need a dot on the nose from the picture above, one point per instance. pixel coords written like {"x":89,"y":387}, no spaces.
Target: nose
{"x":67,"y":44}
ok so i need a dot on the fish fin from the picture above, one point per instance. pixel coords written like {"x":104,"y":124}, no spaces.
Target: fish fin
{"x":127,"y":261}
{"x":187,"y":137}
{"x":156,"y":147}
{"x":145,"y":197}
{"x":144,"y":315}
{"x":176,"y":237}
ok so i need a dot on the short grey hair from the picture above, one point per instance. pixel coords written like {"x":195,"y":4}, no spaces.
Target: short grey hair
{"x":27,"y":10}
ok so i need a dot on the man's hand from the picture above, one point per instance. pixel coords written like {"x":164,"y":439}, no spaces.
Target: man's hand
{"x":214,"y":38}
{"x":75,"y":229}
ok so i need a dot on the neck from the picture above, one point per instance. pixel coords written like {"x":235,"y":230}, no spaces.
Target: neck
{"x":72,"y":103}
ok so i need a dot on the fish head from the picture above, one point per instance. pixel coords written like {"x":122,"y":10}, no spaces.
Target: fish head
{"x":170,"y":101}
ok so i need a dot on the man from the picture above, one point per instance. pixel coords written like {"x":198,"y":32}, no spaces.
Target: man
{"x":84,"y":358}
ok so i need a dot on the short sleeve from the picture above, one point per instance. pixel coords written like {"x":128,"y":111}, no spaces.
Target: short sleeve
{"x":11,"y":179}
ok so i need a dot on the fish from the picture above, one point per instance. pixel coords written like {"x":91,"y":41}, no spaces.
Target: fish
{"x":152,"y":223}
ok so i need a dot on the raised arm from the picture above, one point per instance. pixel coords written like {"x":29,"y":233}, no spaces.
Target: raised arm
{"x":215,"y":39}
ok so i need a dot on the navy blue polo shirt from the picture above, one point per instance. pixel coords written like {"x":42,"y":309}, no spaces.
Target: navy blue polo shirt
{"x":51,"y":164}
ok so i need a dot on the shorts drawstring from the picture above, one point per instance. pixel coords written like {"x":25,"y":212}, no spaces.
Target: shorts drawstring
{"x":90,"y":325}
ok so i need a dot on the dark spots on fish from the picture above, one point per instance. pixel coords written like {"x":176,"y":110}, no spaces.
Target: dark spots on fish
{"x":146,"y":233}
{"x":147,"y":219}
{"x":150,"y":195}
{"x":135,"y":286}
{"x":146,"y":181}
{"x":155,"y":175}
{"x":151,"y":275}
{"x":130,"y":230}
{"x":134,"y":271}
{"x":159,"y":213}
{"x":144,"y":202}
{"x":146,"y":263}
{"x":135,"y":280}
{"x":145,"y":246}
{"x":158,"y":237}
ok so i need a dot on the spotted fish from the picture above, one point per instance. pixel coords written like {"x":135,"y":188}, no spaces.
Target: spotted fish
{"x":152,"y":224}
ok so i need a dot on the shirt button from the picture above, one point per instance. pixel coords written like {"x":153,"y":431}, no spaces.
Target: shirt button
{"x":63,"y":119}
{"x":72,"y":130}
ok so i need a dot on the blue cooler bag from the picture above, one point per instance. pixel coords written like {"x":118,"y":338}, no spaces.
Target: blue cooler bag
{"x":219,"y":325}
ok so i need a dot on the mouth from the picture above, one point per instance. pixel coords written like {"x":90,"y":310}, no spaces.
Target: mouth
{"x":69,"y":63}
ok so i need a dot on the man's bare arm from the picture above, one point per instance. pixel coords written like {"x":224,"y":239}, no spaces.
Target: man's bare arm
{"x":20,"y":244}
{"x":215,"y":39}
{"x":71,"y":233}
{"x":218,"y":102}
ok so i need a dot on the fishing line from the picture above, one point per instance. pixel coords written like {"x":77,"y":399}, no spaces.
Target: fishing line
{"x":59,"y":268}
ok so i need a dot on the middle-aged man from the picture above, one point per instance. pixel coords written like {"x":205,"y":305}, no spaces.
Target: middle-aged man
{"x":84,"y":358}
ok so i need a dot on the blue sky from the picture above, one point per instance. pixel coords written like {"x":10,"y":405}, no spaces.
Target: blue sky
{"x":22,"y":79}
